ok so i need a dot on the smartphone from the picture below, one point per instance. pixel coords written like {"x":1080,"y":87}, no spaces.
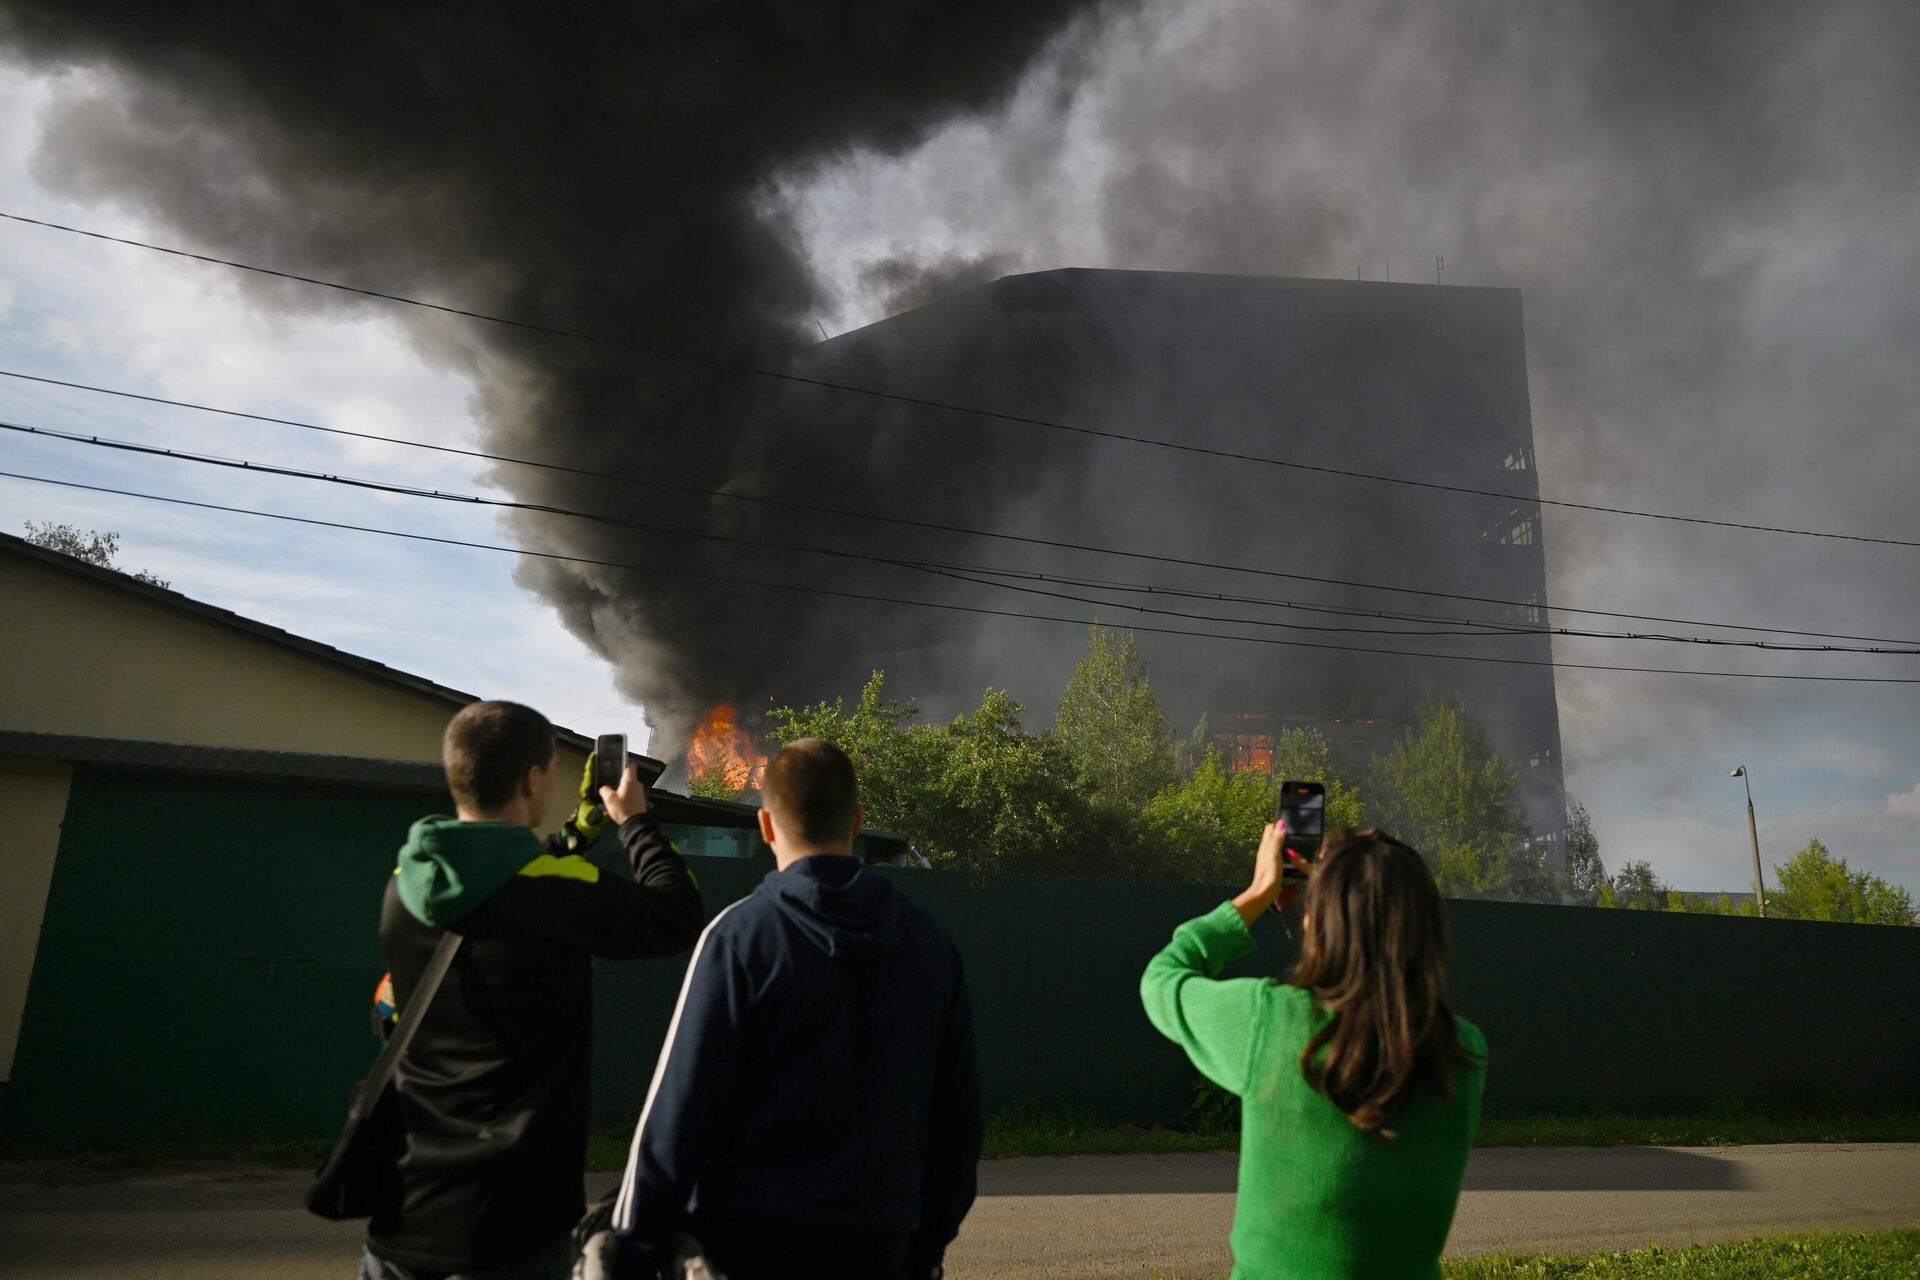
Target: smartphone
{"x":1303,"y":807}
{"x":609,"y":761}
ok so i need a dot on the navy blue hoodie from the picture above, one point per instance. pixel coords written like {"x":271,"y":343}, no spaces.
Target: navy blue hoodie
{"x":819,"y":1073}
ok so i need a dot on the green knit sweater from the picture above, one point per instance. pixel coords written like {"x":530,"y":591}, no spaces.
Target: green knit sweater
{"x":1318,"y":1198}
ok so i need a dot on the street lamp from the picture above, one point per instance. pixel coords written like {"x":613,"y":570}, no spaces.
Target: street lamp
{"x":1753,"y":833}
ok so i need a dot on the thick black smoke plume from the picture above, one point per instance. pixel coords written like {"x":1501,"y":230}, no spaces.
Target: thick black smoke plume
{"x":610,"y":176}
{"x":1710,"y":208}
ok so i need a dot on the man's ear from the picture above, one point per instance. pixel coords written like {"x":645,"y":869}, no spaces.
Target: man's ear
{"x":766,"y":827}
{"x":859,"y":819}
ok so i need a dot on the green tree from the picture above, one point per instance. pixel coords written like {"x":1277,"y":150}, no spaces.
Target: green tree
{"x":1206,"y":827}
{"x":893,"y":765}
{"x":1585,"y":874}
{"x":1302,"y":755}
{"x":1003,"y":799}
{"x":1443,"y":790}
{"x":1637,"y":887}
{"x":1194,"y":749}
{"x":1814,"y":885}
{"x":92,"y":546}
{"x":711,"y":784}
{"x":980,"y":793}
{"x":1111,"y":727}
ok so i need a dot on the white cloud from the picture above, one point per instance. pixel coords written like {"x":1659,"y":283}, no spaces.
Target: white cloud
{"x":1903,"y":808}
{"x":120,"y":317}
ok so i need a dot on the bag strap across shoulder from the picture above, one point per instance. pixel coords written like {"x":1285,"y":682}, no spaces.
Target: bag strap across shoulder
{"x":388,"y":1062}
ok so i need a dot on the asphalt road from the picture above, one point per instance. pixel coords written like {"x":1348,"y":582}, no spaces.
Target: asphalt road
{"x":1086,"y":1216}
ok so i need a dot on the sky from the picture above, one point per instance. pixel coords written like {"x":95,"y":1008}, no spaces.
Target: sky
{"x":109,"y":315}
{"x":1712,"y":224}
{"x":1713,"y":215}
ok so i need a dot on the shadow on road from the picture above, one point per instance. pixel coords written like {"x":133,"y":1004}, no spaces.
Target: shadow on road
{"x":1602,"y":1169}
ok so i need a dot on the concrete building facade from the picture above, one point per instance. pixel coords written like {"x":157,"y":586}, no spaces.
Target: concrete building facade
{"x":1359,"y":599}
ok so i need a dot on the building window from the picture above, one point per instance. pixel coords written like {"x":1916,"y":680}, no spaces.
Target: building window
{"x":1514,"y":529}
{"x":1520,"y":459}
{"x":1540,"y":757}
{"x":1245,"y":752}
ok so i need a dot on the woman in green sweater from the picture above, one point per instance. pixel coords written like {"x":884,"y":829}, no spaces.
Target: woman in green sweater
{"x":1360,"y":1088}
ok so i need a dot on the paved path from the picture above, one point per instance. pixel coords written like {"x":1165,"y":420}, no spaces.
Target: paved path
{"x":1088,"y":1216}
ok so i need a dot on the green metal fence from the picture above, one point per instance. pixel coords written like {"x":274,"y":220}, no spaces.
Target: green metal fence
{"x":210,"y":946}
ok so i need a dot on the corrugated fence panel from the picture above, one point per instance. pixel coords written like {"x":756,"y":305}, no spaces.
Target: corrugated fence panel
{"x":209,"y":950}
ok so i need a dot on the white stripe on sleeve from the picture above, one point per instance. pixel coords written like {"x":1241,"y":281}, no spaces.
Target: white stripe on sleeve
{"x":623,"y":1207}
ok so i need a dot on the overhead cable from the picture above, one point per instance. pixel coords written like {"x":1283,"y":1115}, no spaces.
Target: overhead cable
{"x":934,"y":526}
{"x":946,"y":606}
{"x":968,"y":410}
{"x":944,"y":569}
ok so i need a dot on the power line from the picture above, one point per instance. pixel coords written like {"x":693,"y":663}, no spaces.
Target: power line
{"x":940,"y":568}
{"x":1517,"y":629}
{"x":947,"y":607}
{"x":1057,"y":544}
{"x":968,"y":410}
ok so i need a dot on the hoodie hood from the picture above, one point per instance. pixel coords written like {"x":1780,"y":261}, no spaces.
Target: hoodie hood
{"x":448,"y":867}
{"x":838,"y":905}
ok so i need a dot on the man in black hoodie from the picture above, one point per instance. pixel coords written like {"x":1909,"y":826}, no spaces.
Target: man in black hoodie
{"x":816,"y":1110}
{"x":494,"y":1088}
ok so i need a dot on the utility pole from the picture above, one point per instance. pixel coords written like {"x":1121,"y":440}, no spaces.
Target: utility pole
{"x":1439,"y":266}
{"x":1753,"y":834}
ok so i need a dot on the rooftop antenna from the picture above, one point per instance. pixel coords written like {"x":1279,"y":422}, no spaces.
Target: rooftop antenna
{"x":1439,"y":265}
{"x":821,"y":327}
{"x":1389,"y":268}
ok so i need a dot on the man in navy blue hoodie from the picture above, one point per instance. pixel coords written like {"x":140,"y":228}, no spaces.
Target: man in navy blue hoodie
{"x":816,"y":1108}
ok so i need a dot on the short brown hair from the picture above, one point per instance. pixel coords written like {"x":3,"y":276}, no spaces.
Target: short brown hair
{"x":488,"y":748}
{"x":809,"y":787}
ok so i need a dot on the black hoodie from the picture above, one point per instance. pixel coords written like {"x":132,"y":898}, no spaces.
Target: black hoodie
{"x":494,"y":1087}
{"x":819,"y":1074}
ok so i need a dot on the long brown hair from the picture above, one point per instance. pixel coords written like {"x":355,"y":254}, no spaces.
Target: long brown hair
{"x":1374,"y":956}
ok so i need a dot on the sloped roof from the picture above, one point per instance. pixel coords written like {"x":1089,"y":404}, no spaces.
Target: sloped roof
{"x":170,"y":598}
{"x":297,"y":766}
{"x":129,"y":753}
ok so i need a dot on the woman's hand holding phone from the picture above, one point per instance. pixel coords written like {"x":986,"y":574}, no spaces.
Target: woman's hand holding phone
{"x":1270,"y":888}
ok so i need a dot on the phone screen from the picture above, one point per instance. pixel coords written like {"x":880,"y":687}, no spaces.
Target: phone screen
{"x":1303,"y":806}
{"x":609,"y":759}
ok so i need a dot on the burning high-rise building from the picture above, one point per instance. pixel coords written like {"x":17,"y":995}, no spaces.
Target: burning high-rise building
{"x":1422,"y":382}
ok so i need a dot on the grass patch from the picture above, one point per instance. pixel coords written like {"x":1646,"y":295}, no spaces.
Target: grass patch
{"x":1853,"y":1255}
{"x":52,"y":1164}
{"x":607,"y":1152}
{"x":1032,"y":1130}
{"x":1035,"y":1131}
{"x":1022,"y":1132}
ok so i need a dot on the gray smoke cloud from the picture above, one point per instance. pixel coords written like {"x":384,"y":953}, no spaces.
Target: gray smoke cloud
{"x":608,"y":177}
{"x":1709,"y":209}
{"x":1711,"y":212}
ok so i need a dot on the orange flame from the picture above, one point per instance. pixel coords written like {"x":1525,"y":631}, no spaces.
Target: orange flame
{"x":720,"y":745}
{"x":1245,"y":752}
